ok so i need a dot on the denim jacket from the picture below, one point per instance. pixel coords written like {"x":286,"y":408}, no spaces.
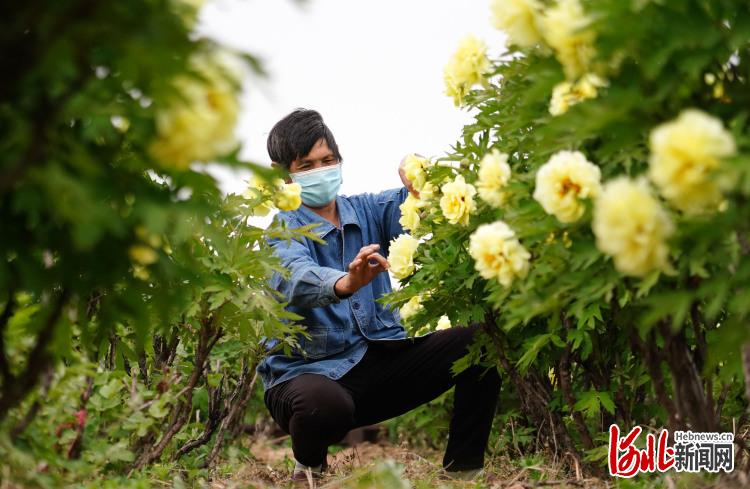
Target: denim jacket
{"x":339,"y":328}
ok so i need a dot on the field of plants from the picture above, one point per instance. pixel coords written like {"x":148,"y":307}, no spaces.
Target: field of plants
{"x":594,"y":218}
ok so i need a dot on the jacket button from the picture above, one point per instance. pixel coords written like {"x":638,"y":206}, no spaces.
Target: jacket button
{"x":355,"y":305}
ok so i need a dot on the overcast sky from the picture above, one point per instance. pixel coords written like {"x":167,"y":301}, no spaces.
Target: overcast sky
{"x":372,"y":69}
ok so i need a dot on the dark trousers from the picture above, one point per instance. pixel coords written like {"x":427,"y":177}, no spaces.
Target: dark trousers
{"x":391,"y":380}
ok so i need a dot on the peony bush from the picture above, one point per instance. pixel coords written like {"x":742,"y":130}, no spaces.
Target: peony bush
{"x":594,"y":215}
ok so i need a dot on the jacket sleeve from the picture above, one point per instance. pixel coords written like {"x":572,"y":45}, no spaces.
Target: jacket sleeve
{"x":309,"y":285}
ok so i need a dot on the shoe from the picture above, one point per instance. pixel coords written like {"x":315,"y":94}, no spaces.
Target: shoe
{"x":304,"y":476}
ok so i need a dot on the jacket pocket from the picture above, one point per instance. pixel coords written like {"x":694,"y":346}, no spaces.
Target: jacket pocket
{"x":316,"y":345}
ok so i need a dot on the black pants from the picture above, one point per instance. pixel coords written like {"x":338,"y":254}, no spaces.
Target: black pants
{"x":317,"y":411}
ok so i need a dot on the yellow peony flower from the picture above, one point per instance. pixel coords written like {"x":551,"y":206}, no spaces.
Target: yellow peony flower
{"x":519,"y":19}
{"x":414,"y":167}
{"x":443,"y":323}
{"x":411,"y":307}
{"x":632,"y":227}
{"x":258,"y":189}
{"x":410,"y":213}
{"x":198,"y":125}
{"x":142,"y":254}
{"x":428,"y":192}
{"x":563,"y":182}
{"x":288,"y":196}
{"x":684,"y":154}
{"x":465,"y":68}
{"x":494,"y":175}
{"x":401,"y":256}
{"x":565,"y":28}
{"x":566,"y":94}
{"x":457,"y":202}
{"x":498,"y":254}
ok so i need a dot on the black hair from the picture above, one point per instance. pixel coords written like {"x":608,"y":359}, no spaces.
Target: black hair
{"x":295,"y":135}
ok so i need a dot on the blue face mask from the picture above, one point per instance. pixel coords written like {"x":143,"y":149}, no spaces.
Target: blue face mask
{"x":319,"y":186}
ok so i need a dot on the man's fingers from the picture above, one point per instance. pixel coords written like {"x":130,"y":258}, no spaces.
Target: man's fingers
{"x":365,"y":256}
{"x":379,"y":260}
{"x":366,"y":250}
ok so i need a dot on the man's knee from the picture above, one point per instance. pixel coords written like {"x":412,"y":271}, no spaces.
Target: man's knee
{"x":323,"y":407}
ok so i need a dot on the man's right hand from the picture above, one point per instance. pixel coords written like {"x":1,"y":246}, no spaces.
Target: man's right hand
{"x":361,"y":271}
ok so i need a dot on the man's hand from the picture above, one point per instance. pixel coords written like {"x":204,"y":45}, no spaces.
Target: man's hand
{"x":406,"y":181}
{"x":361,"y":270}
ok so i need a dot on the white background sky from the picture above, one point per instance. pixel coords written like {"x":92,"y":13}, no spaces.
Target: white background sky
{"x":374,"y":70}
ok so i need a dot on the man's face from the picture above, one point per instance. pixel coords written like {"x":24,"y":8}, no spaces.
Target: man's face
{"x":319,"y":156}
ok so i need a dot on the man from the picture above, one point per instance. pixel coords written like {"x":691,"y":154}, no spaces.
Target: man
{"x":358,"y":367}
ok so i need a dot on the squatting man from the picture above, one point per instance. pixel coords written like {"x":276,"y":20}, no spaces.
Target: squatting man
{"x":357,"y":367}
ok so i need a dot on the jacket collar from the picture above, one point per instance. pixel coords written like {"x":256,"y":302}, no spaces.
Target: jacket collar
{"x":345,"y":209}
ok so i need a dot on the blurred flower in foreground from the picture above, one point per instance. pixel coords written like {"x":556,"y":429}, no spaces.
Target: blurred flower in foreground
{"x":198,"y":124}
{"x":519,"y":19}
{"x":566,"y":94}
{"x":684,"y":154}
{"x":631,"y":226}
{"x":285,"y":196}
{"x":565,"y":27}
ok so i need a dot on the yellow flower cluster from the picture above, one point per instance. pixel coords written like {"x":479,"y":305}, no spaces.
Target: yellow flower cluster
{"x":519,"y":19}
{"x":565,"y":27}
{"x":288,"y":196}
{"x":457,"y":202}
{"x":563,"y":182}
{"x":414,"y":169}
{"x":443,"y":323}
{"x":494,"y":175}
{"x":401,"y":256}
{"x":566,"y":94}
{"x":632,"y":227}
{"x":285,"y":196}
{"x":410,"y":213}
{"x":498,"y":254}
{"x":199,"y":124}
{"x":465,"y":69}
{"x":428,"y":192}
{"x":685,"y":155}
{"x":411,"y":307}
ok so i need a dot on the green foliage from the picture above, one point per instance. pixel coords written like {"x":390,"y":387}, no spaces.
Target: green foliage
{"x":134,"y":297}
